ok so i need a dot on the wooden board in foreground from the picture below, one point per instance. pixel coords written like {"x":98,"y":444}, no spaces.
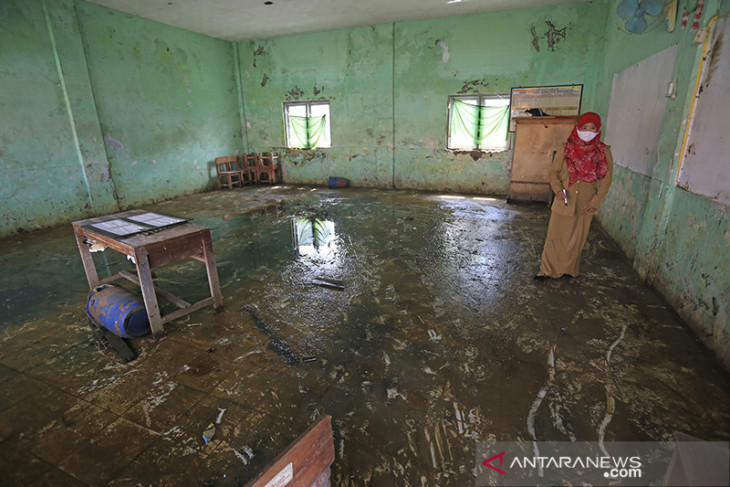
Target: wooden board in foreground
{"x":305,"y":463}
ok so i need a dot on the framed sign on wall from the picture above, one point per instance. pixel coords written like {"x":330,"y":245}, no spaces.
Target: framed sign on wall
{"x":555,"y":101}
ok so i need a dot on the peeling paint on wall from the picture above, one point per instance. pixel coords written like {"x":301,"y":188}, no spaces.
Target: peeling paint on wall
{"x":473,"y":86}
{"x":535,"y":42}
{"x":678,"y":241}
{"x":392,"y":82}
{"x":258,"y":52}
{"x":553,"y":35}
{"x":445,"y":56}
{"x":715,"y":57}
{"x":430,"y":143}
{"x":474,"y":154}
{"x":295,"y":94}
{"x":115,"y":144}
{"x":139,"y":103}
{"x":297,"y":156}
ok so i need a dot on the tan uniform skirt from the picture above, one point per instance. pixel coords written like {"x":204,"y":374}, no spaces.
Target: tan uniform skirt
{"x":567,"y":234}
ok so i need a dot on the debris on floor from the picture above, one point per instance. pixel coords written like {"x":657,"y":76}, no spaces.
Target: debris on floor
{"x":437,"y":340}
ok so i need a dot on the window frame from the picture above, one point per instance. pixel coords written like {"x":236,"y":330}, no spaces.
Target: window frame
{"x":480,"y":97}
{"x":308,"y":113}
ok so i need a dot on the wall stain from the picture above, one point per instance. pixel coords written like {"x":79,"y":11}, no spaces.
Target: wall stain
{"x":445,"y":56}
{"x":297,"y":156}
{"x":117,"y":145}
{"x":473,"y":85}
{"x":714,"y":57}
{"x":294,"y":94}
{"x":535,"y":42}
{"x":553,"y":35}
{"x":707,"y":278}
{"x":316,"y":90}
{"x":474,"y":154}
{"x":264,"y":80}
{"x":260,"y":51}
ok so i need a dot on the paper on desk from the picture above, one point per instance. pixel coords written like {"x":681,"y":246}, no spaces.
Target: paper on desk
{"x":119,"y":227}
{"x":155,"y":219}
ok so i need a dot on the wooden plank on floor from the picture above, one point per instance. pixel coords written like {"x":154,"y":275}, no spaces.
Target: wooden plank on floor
{"x":304,"y":462}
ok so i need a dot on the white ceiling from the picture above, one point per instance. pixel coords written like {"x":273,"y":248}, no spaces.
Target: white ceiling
{"x":243,"y":20}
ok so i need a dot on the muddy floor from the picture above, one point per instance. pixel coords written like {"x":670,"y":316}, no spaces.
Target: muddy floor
{"x":411,"y":318}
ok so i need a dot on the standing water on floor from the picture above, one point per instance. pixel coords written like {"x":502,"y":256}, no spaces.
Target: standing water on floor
{"x":413,"y":320}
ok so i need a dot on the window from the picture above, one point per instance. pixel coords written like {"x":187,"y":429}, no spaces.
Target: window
{"x":308,"y":124}
{"x":479,"y":122}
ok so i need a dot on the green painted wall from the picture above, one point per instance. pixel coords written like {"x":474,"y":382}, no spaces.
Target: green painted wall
{"x":353,"y":69}
{"x":388,"y":87}
{"x":488,"y":53}
{"x":102,"y":111}
{"x":166,"y":100}
{"x":52,"y":163}
{"x":678,"y":241}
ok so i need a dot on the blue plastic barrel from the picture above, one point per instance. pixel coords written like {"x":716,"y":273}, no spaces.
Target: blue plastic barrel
{"x":118,"y":310}
{"x":337,"y":182}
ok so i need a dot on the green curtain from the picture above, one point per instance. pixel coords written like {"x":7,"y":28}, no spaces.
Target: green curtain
{"x":299,"y":139}
{"x":308,"y":132}
{"x":464,"y":124}
{"x":493,"y":126}
{"x":317,"y":131}
{"x":477,"y":126}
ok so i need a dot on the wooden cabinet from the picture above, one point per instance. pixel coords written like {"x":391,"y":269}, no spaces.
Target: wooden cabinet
{"x":537,"y":141}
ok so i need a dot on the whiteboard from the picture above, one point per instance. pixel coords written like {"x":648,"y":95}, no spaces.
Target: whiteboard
{"x":636,"y":111}
{"x":705,"y":168}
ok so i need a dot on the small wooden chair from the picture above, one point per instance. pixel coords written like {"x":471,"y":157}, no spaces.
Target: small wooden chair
{"x":250,"y":167}
{"x":268,"y":168}
{"x":228,"y":172}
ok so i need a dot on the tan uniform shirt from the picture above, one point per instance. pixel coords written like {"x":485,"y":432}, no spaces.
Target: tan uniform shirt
{"x":560,"y":178}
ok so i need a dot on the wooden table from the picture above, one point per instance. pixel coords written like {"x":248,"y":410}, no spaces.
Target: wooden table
{"x":150,"y":250}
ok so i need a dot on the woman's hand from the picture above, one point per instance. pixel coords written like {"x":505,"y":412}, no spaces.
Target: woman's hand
{"x":590,"y":210}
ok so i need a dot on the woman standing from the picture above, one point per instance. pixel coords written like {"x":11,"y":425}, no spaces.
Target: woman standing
{"x":580,"y":180}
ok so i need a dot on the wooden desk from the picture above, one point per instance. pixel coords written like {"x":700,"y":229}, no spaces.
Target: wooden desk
{"x":150,"y":250}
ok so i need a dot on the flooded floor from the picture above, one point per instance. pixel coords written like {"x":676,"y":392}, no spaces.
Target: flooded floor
{"x":411,"y":318}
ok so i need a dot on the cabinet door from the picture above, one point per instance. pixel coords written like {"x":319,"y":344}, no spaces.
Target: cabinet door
{"x":537,"y":142}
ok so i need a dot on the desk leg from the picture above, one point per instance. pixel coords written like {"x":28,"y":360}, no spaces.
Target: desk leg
{"x":148,"y":290}
{"x":87,"y":260}
{"x":215,"y":285}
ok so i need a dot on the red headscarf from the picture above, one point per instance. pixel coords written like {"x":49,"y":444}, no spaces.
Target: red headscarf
{"x":586,"y":160}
